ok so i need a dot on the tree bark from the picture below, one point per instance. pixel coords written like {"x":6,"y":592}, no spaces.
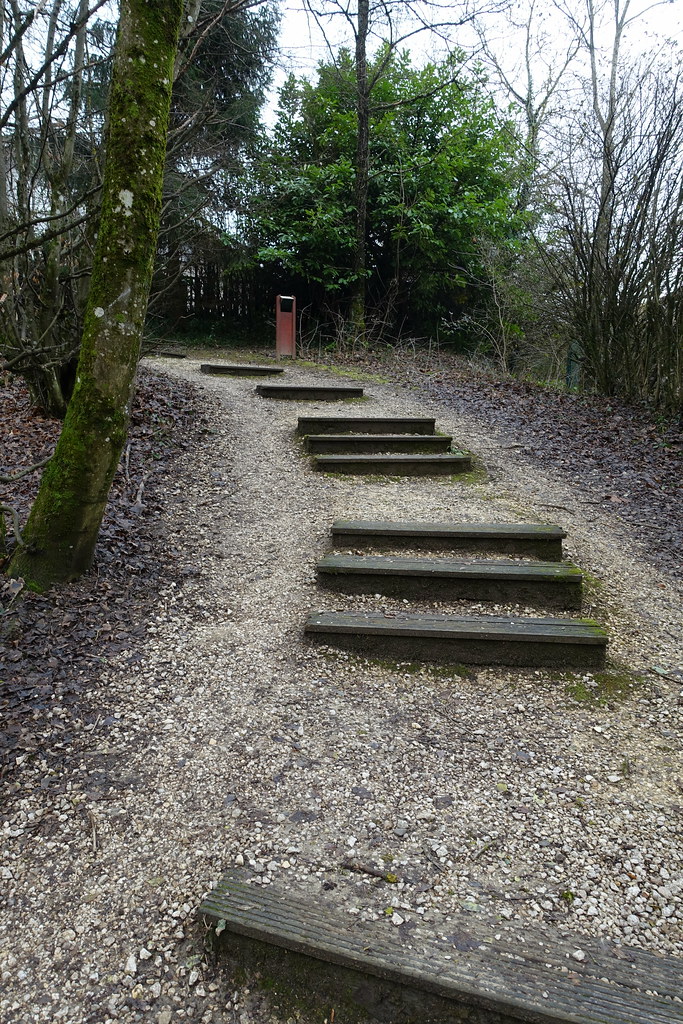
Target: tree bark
{"x":604,"y":359}
{"x":357,"y":308}
{"x":45,"y":381}
{"x":61,"y":533}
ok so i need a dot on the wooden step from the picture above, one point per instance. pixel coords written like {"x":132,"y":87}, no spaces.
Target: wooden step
{"x":552,"y":584}
{"x":309,"y":392}
{"x":511,"y":538}
{"x":240,"y":370}
{"x":395,"y":465}
{"x":365,"y":425}
{"x":474,"y":640}
{"x":170,"y":353}
{"x":366,"y":444}
{"x":324,"y":957}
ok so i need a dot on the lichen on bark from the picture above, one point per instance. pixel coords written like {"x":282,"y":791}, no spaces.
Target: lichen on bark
{"x":62,"y":529}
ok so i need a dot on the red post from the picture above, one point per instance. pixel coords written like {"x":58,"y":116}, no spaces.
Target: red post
{"x":285,"y":326}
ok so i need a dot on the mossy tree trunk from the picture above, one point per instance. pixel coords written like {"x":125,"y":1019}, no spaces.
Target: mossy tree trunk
{"x":61,"y":533}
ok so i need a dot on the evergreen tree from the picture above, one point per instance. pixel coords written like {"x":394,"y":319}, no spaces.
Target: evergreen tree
{"x":442,"y":173}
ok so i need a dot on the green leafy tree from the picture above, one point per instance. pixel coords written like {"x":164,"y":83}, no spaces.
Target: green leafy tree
{"x":396,"y":22}
{"x":442,"y":173}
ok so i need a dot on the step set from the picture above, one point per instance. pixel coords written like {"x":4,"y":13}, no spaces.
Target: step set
{"x":380,"y":446}
{"x":394,"y":465}
{"x":309,"y":392}
{"x":373,"y":445}
{"x":466,"y":640}
{"x":241,"y":370}
{"x":479,"y":640}
{"x":324,"y":957}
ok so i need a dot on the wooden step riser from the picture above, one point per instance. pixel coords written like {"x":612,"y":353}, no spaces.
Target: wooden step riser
{"x":350,"y":445}
{"x":394,"y":467}
{"x":364,"y":425}
{"x":309,"y":394}
{"x":286,"y":922}
{"x":545,"y":594}
{"x":547,"y":550}
{"x":313,"y":987}
{"x":518,"y":653}
{"x":241,"y":371}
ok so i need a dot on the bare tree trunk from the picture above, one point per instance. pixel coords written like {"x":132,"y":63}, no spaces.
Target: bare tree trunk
{"x":605,"y":113}
{"x":40,"y":318}
{"x":45,"y":381}
{"x":61,"y":533}
{"x":357,"y":308}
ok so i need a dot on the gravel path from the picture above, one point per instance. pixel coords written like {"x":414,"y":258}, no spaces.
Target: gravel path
{"x":533,"y":797}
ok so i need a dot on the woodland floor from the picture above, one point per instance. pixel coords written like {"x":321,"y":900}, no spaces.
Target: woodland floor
{"x":613,"y":465}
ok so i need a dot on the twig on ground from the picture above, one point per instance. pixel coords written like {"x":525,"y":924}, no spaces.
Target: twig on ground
{"x":93,"y":826}
{"x":368,"y":869}
{"x":665,"y":675}
{"x":498,"y":447}
{"x":138,"y":498}
{"x":433,"y":859}
{"x":126,"y":465}
{"x":483,"y":848}
{"x":544,"y":504}
{"x":9,"y":478}
{"x":10,"y":511}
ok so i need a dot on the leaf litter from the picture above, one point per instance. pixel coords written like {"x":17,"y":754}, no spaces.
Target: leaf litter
{"x":53,"y":646}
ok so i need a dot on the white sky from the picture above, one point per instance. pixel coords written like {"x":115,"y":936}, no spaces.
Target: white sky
{"x":303,"y":47}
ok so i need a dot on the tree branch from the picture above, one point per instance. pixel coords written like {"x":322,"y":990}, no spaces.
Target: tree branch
{"x":10,"y":478}
{"x":74,"y":29}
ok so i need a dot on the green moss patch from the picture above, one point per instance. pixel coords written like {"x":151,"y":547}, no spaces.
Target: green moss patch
{"x":599,"y":688}
{"x":476,"y":475}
